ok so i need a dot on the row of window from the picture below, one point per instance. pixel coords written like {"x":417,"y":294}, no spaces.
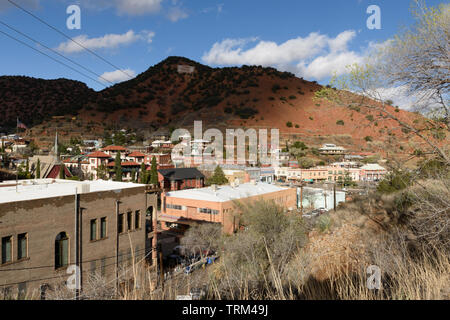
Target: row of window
{"x":174,"y":206}
{"x":8,"y":248}
{"x":97,"y":227}
{"x":207,"y":210}
{"x":129,"y":221}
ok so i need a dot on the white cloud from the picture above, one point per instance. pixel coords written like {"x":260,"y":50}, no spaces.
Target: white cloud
{"x":176,"y":13}
{"x":124,"y":7}
{"x":137,"y":7}
{"x":108,"y":41}
{"x":28,"y":4}
{"x":118,"y":75}
{"x":325,"y":66}
{"x":317,"y":55}
{"x":148,"y":35}
{"x":406,"y":98}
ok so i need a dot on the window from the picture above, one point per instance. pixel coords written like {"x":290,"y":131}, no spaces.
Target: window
{"x":103,"y":228}
{"x":61,"y":250}
{"x":6,"y":249}
{"x":174,"y":206}
{"x":93,"y":229}
{"x":137,"y":219}
{"x":207,"y":210}
{"x":22,"y":246}
{"x":120,"y":224}
{"x":130,"y":220}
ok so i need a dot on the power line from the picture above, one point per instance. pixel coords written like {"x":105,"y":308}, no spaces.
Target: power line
{"x":68,"y":37}
{"x":50,"y":57}
{"x":54,"y":51}
{"x":85,"y":261}
{"x":60,"y":276}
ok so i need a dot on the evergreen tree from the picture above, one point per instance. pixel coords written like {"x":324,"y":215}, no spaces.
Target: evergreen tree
{"x":218,"y":177}
{"x":62,"y":171}
{"x":38,"y":169}
{"x":102,"y":172}
{"x":154,"y":172}
{"x":118,"y":167}
{"x":133,"y":175}
{"x":143,"y":174}
{"x":27,"y":170}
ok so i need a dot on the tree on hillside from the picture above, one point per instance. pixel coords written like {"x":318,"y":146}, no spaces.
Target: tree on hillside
{"x":218,"y":177}
{"x":154,"y":172}
{"x":118,"y":167}
{"x":133,"y":175}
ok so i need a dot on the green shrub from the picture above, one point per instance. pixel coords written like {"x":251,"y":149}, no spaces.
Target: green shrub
{"x":340,"y":122}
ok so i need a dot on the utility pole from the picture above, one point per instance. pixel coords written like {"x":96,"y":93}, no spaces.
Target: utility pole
{"x":161,"y":268}
{"x":77,"y":248}
{"x":301,"y":198}
{"x":334,"y":197}
{"x":117,"y":246}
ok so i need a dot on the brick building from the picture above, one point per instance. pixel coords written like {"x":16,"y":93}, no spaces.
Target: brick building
{"x":180,"y":178}
{"x":41,"y":221}
{"x":217,"y":203}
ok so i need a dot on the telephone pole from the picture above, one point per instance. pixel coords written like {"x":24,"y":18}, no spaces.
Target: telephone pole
{"x":161,"y":268}
{"x":334,"y":197}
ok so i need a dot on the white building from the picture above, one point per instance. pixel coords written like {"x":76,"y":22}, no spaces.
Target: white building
{"x":329,"y":148}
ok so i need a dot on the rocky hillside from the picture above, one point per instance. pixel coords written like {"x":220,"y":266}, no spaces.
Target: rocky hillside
{"x":222,"y":97}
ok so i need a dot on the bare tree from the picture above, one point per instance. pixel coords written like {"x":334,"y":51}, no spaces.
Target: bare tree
{"x":417,"y":61}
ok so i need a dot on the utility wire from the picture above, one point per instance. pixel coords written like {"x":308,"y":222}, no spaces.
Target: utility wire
{"x":59,"y":276}
{"x":50,"y":57}
{"x":68,"y":37}
{"x":85,"y":261}
{"x":54,"y":51}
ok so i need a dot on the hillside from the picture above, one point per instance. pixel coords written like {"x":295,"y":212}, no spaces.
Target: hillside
{"x":36,"y":100}
{"x":222,"y":97}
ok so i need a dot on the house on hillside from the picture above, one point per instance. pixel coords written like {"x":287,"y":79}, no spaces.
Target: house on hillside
{"x":331,"y":149}
{"x":372,"y":172}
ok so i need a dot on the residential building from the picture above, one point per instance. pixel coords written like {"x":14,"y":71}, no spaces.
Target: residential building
{"x":372,"y":172}
{"x":180,"y":178}
{"x":331,"y":149}
{"x":112,"y":151}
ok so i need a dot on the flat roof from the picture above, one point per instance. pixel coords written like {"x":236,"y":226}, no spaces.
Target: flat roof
{"x":50,"y":188}
{"x":226,"y":192}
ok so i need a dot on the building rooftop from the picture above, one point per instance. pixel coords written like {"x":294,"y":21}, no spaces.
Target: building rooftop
{"x":50,"y":188}
{"x":181,"y":173}
{"x":98,"y":154}
{"x":114,"y":148}
{"x":372,"y":166}
{"x":226,"y":192}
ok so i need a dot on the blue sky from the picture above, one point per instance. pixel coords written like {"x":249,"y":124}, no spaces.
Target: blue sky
{"x":309,"y":38}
